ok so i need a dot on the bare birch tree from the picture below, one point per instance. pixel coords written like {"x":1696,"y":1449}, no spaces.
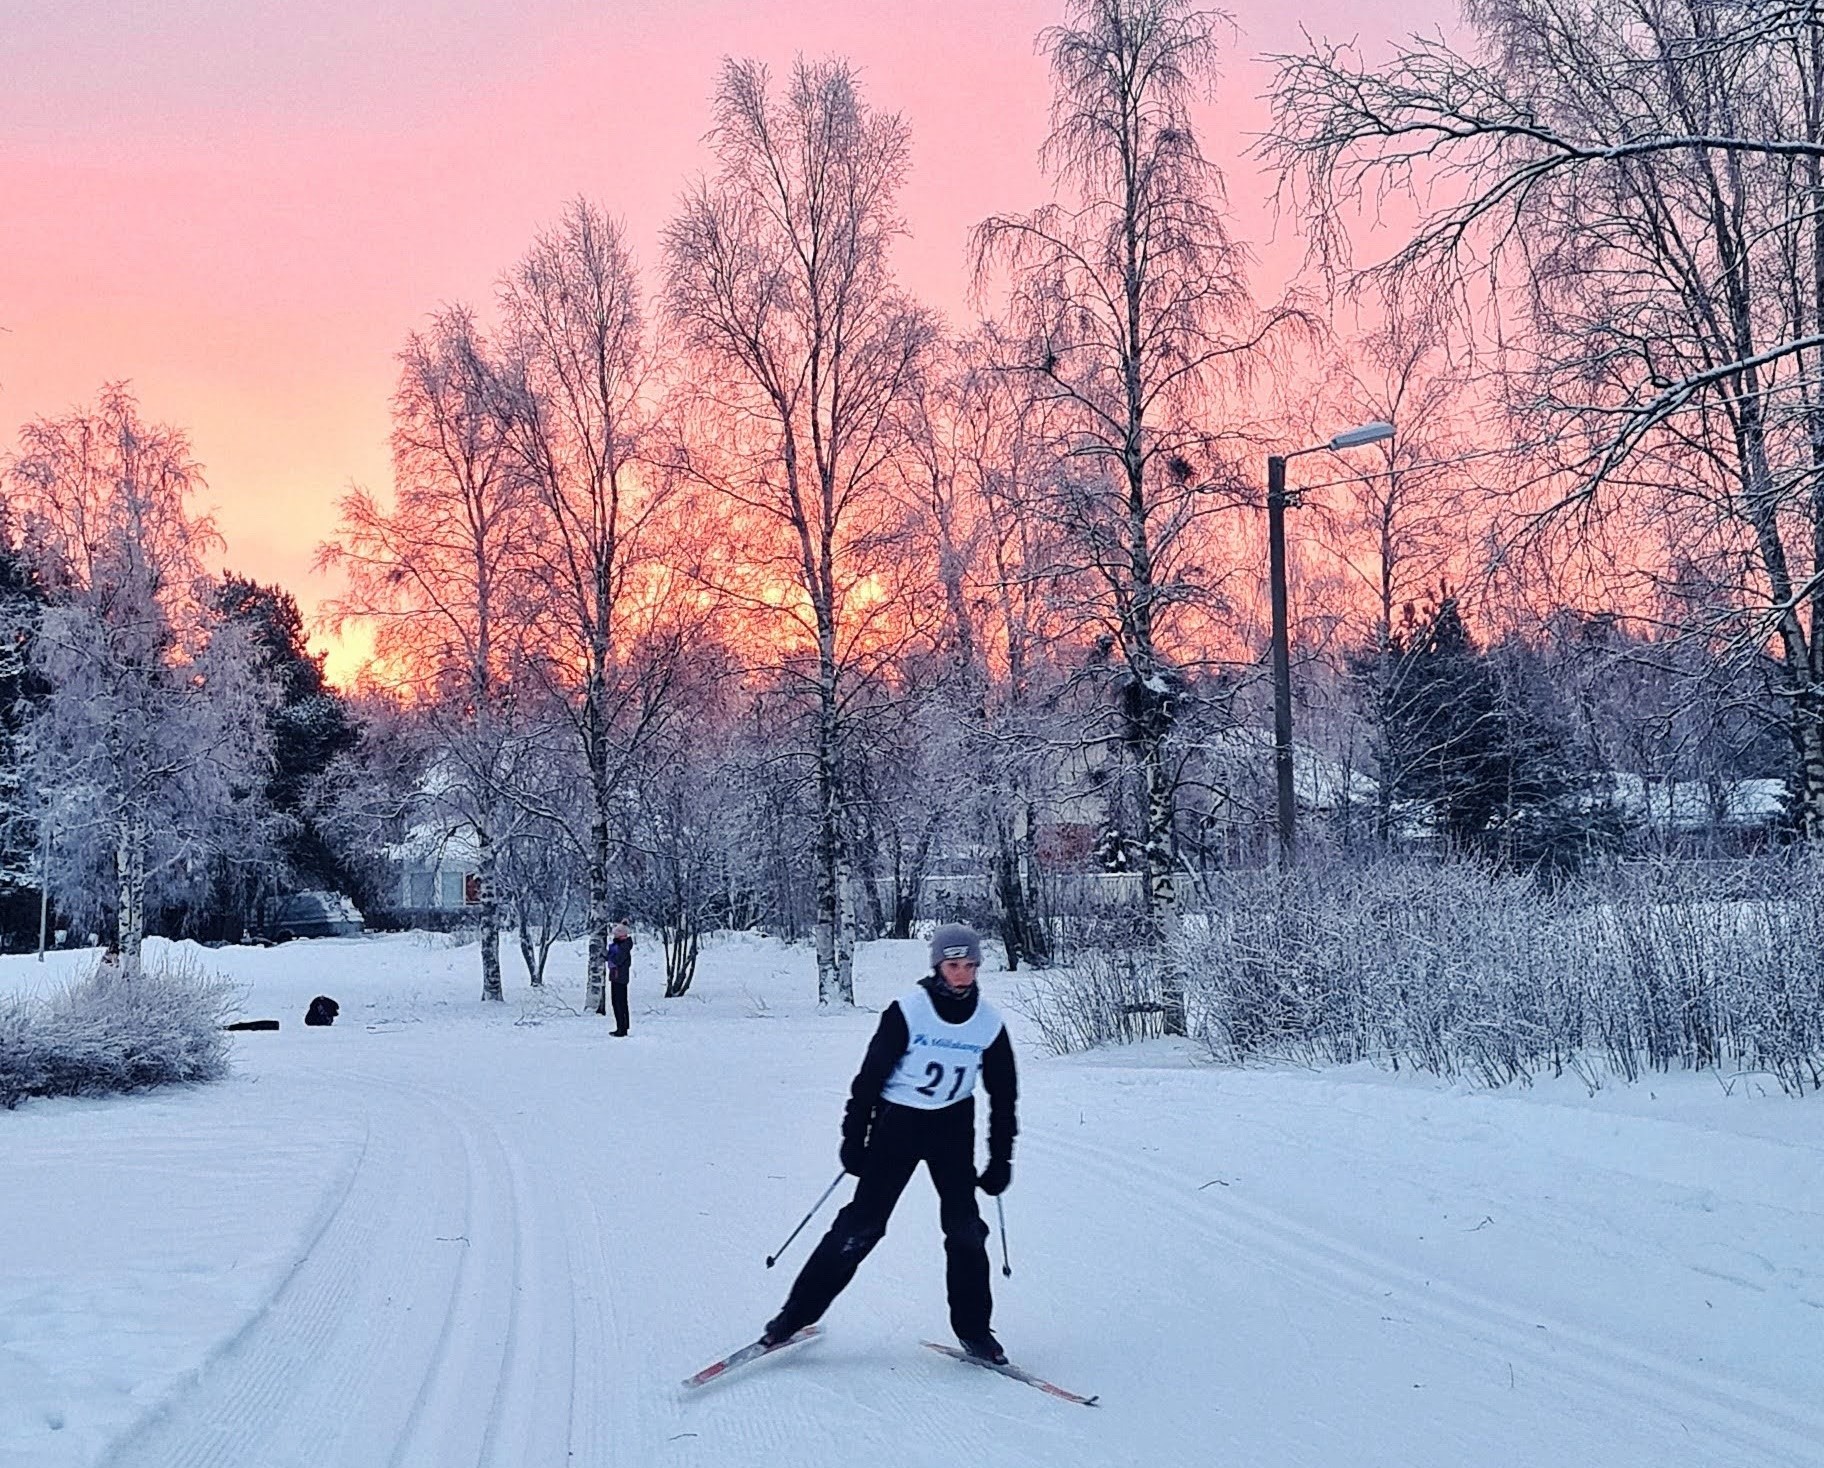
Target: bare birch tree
{"x":981,"y":459}
{"x":1132,"y":317}
{"x":1635,"y":188}
{"x":442,"y":575}
{"x":807,"y":353}
{"x":578,"y":414}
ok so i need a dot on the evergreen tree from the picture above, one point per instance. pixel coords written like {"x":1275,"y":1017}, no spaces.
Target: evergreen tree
{"x":1481,"y":745}
{"x":1438,"y":723}
{"x":20,"y":598}
{"x":309,"y":724}
{"x":1557,"y":804}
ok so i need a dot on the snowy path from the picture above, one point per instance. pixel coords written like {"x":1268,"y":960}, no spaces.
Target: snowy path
{"x":400,"y":1323}
{"x":438,"y":1236}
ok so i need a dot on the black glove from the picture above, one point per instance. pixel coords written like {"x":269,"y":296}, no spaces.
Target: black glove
{"x":995,"y":1177}
{"x":854,"y":1155}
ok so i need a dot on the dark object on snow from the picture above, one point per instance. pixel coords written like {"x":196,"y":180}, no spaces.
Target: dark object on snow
{"x":323,"y":1011}
{"x":254,"y":1024}
{"x":315,"y":915}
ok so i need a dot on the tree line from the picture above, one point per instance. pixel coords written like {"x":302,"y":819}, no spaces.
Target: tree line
{"x":748,"y":590}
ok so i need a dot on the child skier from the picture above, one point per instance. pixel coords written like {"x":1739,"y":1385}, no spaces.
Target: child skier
{"x":913,"y":1101}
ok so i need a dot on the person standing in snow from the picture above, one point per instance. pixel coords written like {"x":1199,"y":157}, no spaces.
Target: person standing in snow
{"x":620,"y":969}
{"x":913,"y":1101}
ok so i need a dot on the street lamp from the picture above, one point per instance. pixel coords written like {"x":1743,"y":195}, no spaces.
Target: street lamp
{"x":1282,"y":655}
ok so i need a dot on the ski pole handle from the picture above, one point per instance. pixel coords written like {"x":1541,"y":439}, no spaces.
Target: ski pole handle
{"x":772,"y":1259}
{"x":1001,"y":1213}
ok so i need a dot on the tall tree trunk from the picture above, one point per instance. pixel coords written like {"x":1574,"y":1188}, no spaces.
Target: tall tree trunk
{"x":835,"y":900}
{"x":1161,"y":844}
{"x":534,"y":961}
{"x":601,"y":920}
{"x":866,"y":876}
{"x":682,"y":940}
{"x":1017,"y":887}
{"x":1808,"y":735}
{"x":1160,"y":850}
{"x":1008,"y":895}
{"x":130,"y":868}
{"x":1808,"y":710}
{"x":845,"y":927}
{"x":828,"y":986}
{"x":1037,"y":937}
{"x":909,"y":880}
{"x":485,"y":879}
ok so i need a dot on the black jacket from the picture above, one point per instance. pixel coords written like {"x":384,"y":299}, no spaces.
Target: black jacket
{"x":891,"y":1039}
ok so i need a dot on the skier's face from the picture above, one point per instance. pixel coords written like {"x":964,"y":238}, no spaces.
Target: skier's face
{"x":958,"y":973}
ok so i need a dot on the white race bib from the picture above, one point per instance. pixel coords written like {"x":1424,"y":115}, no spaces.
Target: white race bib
{"x":942,"y":1060}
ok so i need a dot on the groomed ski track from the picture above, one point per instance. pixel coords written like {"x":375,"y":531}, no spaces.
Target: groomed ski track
{"x":525,"y":1234}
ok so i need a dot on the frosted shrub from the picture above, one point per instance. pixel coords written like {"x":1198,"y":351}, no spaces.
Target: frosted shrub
{"x":1458,"y":970}
{"x":1102,"y":996}
{"x":1113,"y":987}
{"x":1714,"y":972}
{"x":15,"y":1022}
{"x":108,"y":1033}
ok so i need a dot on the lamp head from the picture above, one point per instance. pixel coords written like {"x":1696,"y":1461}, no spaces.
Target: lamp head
{"x":1368,"y":433}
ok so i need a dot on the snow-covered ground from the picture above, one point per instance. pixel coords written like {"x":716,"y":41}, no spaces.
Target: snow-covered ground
{"x":445,"y":1234}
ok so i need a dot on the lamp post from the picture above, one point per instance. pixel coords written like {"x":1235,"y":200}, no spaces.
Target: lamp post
{"x":1277,"y":500}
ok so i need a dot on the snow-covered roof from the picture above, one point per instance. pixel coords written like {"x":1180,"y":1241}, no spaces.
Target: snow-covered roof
{"x":434,"y":843}
{"x":1318,"y":781}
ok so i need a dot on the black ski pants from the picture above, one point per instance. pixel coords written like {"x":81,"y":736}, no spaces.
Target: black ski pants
{"x":900,"y":1139}
{"x":617,"y":994}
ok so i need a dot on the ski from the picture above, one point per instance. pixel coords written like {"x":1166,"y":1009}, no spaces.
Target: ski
{"x":1015,"y":1373}
{"x":751,"y":1352}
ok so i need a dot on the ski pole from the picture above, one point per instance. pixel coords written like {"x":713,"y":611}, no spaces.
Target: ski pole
{"x":772,"y":1259}
{"x":1001,"y":1213}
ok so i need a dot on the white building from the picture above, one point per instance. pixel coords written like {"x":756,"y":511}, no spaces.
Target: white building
{"x":437,"y":869}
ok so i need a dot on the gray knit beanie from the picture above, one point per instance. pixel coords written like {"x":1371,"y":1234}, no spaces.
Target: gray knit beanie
{"x":953,"y":940}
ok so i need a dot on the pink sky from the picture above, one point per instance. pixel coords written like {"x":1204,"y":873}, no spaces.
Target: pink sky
{"x":243,"y":206}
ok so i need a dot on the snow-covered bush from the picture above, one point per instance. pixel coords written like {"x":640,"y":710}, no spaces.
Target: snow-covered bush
{"x":1459,"y":970}
{"x":109,"y":1032}
{"x":1109,"y":985}
{"x":1103,"y":996}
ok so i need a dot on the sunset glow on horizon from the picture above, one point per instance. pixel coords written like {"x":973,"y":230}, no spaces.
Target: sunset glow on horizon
{"x":243,"y":208}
